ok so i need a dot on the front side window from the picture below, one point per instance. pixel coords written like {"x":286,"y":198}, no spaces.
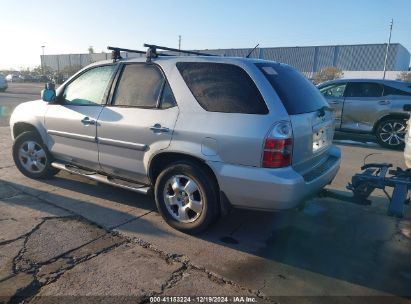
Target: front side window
{"x":220,"y":87}
{"x":140,"y":86}
{"x":364,"y":89}
{"x":90,"y":87}
{"x":335,"y":90}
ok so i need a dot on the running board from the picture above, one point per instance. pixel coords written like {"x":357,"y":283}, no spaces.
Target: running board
{"x":103,"y":178}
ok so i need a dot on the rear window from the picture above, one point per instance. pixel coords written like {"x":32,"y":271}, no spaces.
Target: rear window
{"x":388,"y":90}
{"x":220,"y":87}
{"x":296,"y":92}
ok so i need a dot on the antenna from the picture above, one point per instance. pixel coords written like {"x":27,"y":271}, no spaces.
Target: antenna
{"x":249,"y":54}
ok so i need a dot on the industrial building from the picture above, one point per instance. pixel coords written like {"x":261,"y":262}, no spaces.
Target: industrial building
{"x":360,"y":60}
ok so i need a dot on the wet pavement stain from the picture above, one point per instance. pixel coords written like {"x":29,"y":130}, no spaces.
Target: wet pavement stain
{"x":229,"y":240}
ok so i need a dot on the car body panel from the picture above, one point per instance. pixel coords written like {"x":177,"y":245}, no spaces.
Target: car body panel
{"x":31,"y":113}
{"x":125,"y":136}
{"x":68,"y":138}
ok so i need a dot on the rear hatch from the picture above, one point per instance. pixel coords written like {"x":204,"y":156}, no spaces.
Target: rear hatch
{"x":311,"y":118}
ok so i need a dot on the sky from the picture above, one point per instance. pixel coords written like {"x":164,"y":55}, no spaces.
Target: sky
{"x":65,"y":27}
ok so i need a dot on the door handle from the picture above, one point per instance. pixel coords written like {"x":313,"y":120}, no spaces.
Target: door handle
{"x":157,"y":128}
{"x":334,"y":102}
{"x":87,"y":121}
{"x":384,"y":102}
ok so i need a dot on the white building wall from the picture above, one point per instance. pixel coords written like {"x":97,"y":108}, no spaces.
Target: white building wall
{"x":372,"y":74}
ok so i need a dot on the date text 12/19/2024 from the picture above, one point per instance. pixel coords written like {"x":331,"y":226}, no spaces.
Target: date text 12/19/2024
{"x":203,"y":299}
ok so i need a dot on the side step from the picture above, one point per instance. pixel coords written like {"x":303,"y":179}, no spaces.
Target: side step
{"x":103,"y":178}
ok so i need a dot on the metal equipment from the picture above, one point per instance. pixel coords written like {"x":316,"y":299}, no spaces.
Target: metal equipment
{"x":374,"y":176}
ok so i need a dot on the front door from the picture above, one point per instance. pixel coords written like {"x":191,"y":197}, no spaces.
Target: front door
{"x":334,"y":94}
{"x":71,"y":120}
{"x":140,"y":120}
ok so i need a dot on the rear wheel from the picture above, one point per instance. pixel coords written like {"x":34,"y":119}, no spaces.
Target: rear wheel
{"x":32,"y":157}
{"x":186,"y":197}
{"x":391,"y":132}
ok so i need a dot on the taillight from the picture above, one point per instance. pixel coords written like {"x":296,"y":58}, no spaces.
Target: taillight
{"x":278,"y":146}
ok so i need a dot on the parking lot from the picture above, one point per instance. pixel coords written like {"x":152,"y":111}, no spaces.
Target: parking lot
{"x":69,"y":236}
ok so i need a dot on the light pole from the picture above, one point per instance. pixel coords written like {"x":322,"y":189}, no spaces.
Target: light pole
{"x":42,"y":59}
{"x":386,"y":51}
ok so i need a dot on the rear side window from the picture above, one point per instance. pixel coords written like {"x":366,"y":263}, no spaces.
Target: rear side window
{"x":363,"y":89}
{"x":222,"y":87}
{"x":296,"y":92}
{"x":388,"y":90}
{"x":140,"y":86}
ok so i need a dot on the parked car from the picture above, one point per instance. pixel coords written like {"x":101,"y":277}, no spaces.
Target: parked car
{"x":3,"y":83}
{"x":373,"y":106}
{"x":13,"y":78}
{"x":201,"y":133}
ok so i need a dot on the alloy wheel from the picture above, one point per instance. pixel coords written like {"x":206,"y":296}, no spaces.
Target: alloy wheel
{"x":183,"y":198}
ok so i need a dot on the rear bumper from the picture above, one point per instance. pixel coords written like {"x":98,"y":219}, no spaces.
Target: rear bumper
{"x":274,"y":189}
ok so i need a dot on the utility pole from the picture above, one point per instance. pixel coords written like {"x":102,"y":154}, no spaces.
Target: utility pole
{"x":386,"y":51}
{"x":179,"y":42}
{"x":42,"y":60}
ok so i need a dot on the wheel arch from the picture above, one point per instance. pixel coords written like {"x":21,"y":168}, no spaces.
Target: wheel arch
{"x":405,"y":116}
{"x":21,"y":127}
{"x":161,"y":160}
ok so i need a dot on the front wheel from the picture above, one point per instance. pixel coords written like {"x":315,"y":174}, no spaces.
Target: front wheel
{"x":391,"y":133}
{"x":186,"y":197}
{"x":32,"y":157}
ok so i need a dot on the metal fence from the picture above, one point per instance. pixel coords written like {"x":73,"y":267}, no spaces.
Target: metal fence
{"x":309,"y":60}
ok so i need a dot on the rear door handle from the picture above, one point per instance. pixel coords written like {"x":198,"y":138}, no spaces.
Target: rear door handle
{"x":384,"y":102}
{"x":157,"y":128}
{"x":87,"y":121}
{"x":334,"y":102}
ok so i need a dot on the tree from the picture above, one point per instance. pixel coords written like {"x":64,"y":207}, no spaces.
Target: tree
{"x":38,"y":70}
{"x":405,"y":76}
{"x":70,"y":69}
{"x":90,"y":50}
{"x":328,"y":73}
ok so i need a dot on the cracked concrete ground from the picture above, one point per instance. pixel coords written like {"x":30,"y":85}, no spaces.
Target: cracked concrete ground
{"x":69,"y":236}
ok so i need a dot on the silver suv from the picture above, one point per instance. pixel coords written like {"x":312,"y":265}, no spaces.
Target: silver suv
{"x":372,"y":106}
{"x":202,"y":133}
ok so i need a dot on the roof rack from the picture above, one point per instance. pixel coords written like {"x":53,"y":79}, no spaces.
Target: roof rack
{"x":115,"y":54}
{"x":154,"y":48}
{"x":151,"y":52}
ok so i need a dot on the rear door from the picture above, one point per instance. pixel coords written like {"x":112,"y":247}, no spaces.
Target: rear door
{"x":363,"y":102}
{"x":311,"y":117}
{"x":334,"y":94}
{"x":71,"y":120}
{"x":139,"y":120}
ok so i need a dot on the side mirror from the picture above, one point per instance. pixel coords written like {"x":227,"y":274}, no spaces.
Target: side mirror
{"x":49,"y":92}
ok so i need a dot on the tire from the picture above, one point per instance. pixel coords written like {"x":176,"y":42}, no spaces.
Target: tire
{"x":390,"y":133}
{"x":187,"y":197}
{"x":32,"y":157}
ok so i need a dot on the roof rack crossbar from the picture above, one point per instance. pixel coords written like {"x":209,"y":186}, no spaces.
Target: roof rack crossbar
{"x":116,"y":55}
{"x":112,"y":48}
{"x":164,"y":48}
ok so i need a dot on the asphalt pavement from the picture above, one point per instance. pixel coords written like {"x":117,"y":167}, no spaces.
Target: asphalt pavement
{"x":77,"y":239}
